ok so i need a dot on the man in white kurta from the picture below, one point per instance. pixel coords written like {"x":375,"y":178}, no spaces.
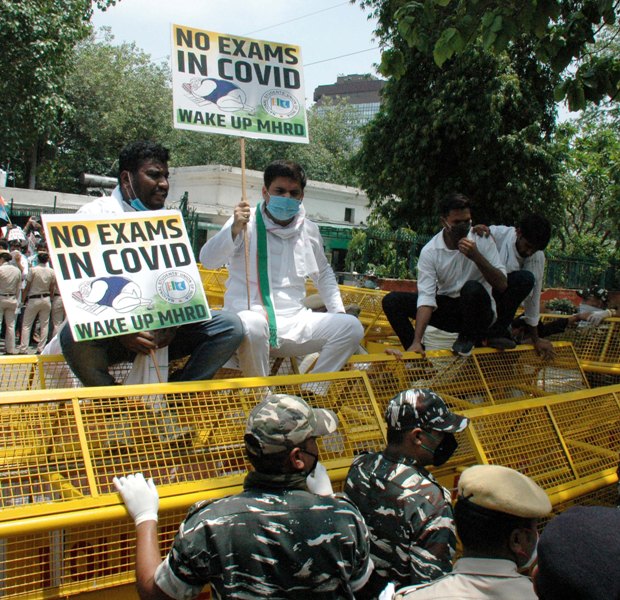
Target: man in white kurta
{"x":291,"y":250}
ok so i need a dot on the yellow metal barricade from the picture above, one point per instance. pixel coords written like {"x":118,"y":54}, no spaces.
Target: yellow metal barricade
{"x":63,"y":529}
{"x":569,"y":444}
{"x":598,"y":348}
{"x":486,"y":377}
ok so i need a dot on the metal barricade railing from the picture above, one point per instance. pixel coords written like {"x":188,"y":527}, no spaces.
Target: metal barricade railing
{"x":63,"y":529}
{"x":569,"y":444}
{"x":486,"y":377}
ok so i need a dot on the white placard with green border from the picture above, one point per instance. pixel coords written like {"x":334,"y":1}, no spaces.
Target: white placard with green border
{"x":239,"y":86}
{"x":125,"y":274}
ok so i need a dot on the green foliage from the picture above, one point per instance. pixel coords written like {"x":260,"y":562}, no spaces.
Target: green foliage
{"x":561,"y":305}
{"x":327,"y":157}
{"x":37,"y":38}
{"x":482,"y":125}
{"x":116,"y":96}
{"x":563,"y":33}
{"x":382,"y":251}
{"x":590,"y":189}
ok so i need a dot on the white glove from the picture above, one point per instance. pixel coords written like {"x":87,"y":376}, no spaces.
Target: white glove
{"x":388,"y":592}
{"x":318,"y":481}
{"x":140,"y":497}
{"x":596,"y":317}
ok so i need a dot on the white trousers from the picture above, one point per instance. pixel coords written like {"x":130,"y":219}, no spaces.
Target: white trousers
{"x":335,"y":336}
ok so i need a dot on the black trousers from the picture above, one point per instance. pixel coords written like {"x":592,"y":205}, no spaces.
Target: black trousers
{"x":470,"y":314}
{"x":520,"y":284}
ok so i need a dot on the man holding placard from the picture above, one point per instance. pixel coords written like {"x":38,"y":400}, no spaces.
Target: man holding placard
{"x":143,"y":186}
{"x":284,"y":248}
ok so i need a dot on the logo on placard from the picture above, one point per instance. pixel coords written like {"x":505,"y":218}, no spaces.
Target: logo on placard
{"x":175,"y":287}
{"x":280,"y":104}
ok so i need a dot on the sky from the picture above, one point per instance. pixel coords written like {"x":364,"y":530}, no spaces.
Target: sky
{"x":335,"y":36}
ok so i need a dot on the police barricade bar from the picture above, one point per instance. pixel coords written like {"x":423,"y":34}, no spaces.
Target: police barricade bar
{"x":63,"y":529}
{"x":598,"y":348}
{"x":569,"y":444}
{"x":599,"y":344}
{"x":486,"y":377}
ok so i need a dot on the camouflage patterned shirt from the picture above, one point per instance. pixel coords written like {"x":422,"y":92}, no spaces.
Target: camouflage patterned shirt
{"x":275,"y":543}
{"x":409,"y":517}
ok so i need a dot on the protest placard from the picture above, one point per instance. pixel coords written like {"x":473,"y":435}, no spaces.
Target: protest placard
{"x":239,"y":86}
{"x":120,"y":275}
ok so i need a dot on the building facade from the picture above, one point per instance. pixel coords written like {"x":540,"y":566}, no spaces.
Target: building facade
{"x":361,"y":92}
{"x":212,"y":193}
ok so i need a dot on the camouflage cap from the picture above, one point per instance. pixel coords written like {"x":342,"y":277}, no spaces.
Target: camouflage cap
{"x":424,"y":409}
{"x":281,"y":422}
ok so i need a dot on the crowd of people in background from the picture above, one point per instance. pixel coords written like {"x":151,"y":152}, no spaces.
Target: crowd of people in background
{"x":31,"y":308}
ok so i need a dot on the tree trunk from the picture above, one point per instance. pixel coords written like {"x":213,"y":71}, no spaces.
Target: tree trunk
{"x":32,"y":167}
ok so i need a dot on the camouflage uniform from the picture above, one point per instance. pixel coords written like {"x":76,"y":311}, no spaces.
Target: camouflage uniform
{"x":409,"y":517}
{"x":276,"y":539}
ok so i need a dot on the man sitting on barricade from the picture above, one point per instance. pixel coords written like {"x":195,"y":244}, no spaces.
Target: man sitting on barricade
{"x":143,"y":185}
{"x":284,"y":247}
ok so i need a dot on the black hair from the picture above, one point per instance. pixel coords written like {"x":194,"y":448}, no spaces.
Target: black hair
{"x":284,"y":168}
{"x":536,"y":229}
{"x":395,"y":437}
{"x":271,"y":464}
{"x":43,"y":257}
{"x":484,"y":530}
{"x":453,"y":201}
{"x":133,"y":155}
{"x":4,"y":244}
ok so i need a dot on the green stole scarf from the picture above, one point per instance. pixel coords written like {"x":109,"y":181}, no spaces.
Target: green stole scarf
{"x":262,"y":259}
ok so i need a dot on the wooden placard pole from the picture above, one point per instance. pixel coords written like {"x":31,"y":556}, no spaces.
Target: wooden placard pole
{"x":245,"y":229}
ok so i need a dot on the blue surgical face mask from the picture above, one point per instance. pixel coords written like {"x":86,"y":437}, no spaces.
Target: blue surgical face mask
{"x":135,"y":202}
{"x":283,"y":208}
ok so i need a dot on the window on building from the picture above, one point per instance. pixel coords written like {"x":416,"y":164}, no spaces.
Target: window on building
{"x":349,"y":215}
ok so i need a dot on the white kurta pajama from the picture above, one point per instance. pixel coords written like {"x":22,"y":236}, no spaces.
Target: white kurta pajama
{"x":295,"y":252}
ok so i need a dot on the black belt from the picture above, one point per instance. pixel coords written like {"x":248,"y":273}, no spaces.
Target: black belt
{"x":39,"y":296}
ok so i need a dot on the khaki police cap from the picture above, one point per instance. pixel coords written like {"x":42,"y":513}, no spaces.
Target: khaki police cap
{"x":504,"y":490}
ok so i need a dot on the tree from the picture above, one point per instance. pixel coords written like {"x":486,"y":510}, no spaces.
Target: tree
{"x":481,"y":125}
{"x":327,"y":157}
{"x":590,"y":187}
{"x":114,"y":95}
{"x":382,"y":251}
{"x":37,"y":38}
{"x":562,"y":32}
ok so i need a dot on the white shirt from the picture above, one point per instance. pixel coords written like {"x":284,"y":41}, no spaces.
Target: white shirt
{"x":474,"y":579}
{"x":288,"y":283}
{"x":506,"y":242}
{"x":444,"y":272}
{"x":107,"y":205}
